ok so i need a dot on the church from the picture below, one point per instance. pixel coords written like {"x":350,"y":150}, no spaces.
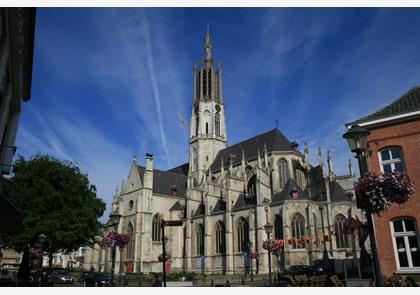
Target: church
{"x":226,"y":194}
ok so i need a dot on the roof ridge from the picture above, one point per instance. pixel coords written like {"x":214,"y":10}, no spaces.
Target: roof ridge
{"x":154,"y":169}
{"x":258,"y":135}
{"x":414,"y":91}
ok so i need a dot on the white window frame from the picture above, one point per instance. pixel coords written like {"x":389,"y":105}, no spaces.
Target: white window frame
{"x":391,"y":161}
{"x":404,"y":234}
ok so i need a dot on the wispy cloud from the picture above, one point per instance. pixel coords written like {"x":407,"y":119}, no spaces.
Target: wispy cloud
{"x":109,"y":83}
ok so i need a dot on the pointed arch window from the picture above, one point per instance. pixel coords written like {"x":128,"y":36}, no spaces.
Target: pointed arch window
{"x":195,"y":159}
{"x":243,"y":234}
{"x":283,"y":172}
{"x":316,"y":232}
{"x":217,"y":124}
{"x":340,"y":235}
{"x":298,"y":231}
{"x":156,"y":228}
{"x":252,"y":186}
{"x":131,"y":242}
{"x":278,"y":227}
{"x":220,"y":238}
{"x":200,"y":240}
{"x":196,"y":124}
{"x":300,"y":178}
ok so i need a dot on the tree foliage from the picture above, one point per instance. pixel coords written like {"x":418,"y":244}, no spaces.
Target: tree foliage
{"x":56,"y":199}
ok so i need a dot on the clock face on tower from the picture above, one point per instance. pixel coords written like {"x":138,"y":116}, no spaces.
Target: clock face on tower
{"x":218,"y":108}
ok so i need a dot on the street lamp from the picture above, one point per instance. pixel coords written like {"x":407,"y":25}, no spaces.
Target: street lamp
{"x":357,"y":137}
{"x":250,"y":258}
{"x":268,"y":229}
{"x":115,"y":220}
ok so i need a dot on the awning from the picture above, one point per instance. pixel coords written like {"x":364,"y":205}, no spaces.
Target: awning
{"x":10,"y":219}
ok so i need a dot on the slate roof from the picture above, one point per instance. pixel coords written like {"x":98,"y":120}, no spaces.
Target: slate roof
{"x":286,"y":193}
{"x":182,"y":169}
{"x":338,"y":194}
{"x":220,"y":206}
{"x":407,"y":103}
{"x":177,"y":207}
{"x":243,"y":202}
{"x":163,"y":181}
{"x":274,"y":140}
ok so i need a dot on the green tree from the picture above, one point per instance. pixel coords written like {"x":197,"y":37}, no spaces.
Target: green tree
{"x":56,"y":199}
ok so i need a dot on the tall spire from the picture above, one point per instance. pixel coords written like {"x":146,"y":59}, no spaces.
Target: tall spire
{"x":207,"y":46}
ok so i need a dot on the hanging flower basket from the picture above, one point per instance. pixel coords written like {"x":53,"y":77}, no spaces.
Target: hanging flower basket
{"x":167,"y":257}
{"x":274,"y":246}
{"x":376,"y":192}
{"x":114,"y":239}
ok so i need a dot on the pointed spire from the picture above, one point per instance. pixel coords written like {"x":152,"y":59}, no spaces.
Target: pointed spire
{"x":330,"y":164}
{"x":207,"y":45}
{"x":306,"y":155}
{"x":122,"y":186}
{"x":265,"y":155}
{"x":320,"y":159}
{"x":351,"y":168}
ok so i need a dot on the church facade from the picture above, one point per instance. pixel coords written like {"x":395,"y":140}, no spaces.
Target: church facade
{"x":226,"y":194}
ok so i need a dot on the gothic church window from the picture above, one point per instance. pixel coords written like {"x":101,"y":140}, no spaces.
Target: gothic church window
{"x":298,"y":231}
{"x":156,"y":228}
{"x":207,"y":128}
{"x":243,"y":234}
{"x":283,"y":172}
{"x":217,"y":123}
{"x":300,"y":178}
{"x":316,"y":232}
{"x":196,"y":124}
{"x":131,"y":242}
{"x":220,"y":238}
{"x":278,"y":227}
{"x":195,"y":159}
{"x":200,"y":240}
{"x":251,"y":187}
{"x":340,"y":235}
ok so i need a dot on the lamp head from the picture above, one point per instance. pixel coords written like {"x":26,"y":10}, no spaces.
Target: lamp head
{"x":42,"y":238}
{"x":115,"y":218}
{"x":268,"y":228}
{"x":356,"y":137}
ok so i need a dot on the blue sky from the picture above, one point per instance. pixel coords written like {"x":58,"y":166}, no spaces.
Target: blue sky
{"x":109,"y":83}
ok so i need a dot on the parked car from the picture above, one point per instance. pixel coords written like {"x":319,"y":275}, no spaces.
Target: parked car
{"x":304,"y":269}
{"x":98,"y":279}
{"x":61,"y":276}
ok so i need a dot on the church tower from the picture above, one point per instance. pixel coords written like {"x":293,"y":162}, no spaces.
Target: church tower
{"x":208,"y":127}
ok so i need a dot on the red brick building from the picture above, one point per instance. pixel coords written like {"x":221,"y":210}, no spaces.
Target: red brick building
{"x":394,"y":143}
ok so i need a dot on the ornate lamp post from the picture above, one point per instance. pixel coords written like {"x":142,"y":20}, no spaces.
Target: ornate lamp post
{"x":250,"y":258}
{"x":268,"y":229}
{"x":115,"y":220}
{"x":356,"y":137}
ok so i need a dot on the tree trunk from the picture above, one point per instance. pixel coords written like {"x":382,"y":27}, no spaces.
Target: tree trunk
{"x":50,"y":258}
